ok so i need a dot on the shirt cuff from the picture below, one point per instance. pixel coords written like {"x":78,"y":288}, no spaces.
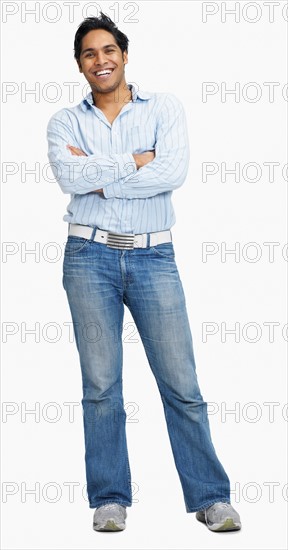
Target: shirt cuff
{"x":112,"y":190}
{"x":126,"y":166}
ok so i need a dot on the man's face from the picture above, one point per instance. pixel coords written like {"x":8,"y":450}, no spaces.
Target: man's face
{"x":100,"y":52}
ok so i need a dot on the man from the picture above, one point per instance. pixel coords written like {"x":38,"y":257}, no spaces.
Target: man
{"x":120,"y":154}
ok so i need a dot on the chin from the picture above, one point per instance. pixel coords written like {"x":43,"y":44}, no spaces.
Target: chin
{"x":106,"y":90}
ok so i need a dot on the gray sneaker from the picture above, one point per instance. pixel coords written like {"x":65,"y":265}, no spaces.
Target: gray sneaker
{"x":220,"y":517}
{"x":110,"y":517}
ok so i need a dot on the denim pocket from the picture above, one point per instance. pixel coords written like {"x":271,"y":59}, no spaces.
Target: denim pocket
{"x":164,"y":250}
{"x":74,"y":245}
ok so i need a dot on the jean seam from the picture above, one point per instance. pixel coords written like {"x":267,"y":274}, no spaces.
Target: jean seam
{"x":166,"y":256}
{"x":76,"y":250}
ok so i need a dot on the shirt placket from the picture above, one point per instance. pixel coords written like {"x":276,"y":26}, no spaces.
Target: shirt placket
{"x":117,"y":148}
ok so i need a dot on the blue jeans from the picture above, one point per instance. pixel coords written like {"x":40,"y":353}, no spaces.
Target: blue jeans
{"x":98,"y":281}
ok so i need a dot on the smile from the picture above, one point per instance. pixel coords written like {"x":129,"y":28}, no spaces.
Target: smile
{"x":103,"y":74}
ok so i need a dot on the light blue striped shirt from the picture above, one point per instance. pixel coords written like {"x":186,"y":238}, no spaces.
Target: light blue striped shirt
{"x":133,"y":201}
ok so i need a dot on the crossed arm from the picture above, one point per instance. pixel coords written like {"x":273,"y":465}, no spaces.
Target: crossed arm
{"x":123,"y":175}
{"x":140,"y":159}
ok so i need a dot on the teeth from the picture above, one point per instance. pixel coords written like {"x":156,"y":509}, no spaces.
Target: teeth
{"x":107,"y":71}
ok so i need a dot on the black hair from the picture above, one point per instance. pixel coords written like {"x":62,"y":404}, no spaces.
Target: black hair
{"x":102,"y":22}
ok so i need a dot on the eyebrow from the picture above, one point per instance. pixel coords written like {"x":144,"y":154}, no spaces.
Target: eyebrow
{"x":94,"y":49}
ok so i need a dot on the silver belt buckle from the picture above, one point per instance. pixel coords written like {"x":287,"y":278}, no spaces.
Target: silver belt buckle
{"x":118,"y":240}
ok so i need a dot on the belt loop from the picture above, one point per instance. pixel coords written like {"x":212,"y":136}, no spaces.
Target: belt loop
{"x":148,"y":240}
{"x":93,"y":233}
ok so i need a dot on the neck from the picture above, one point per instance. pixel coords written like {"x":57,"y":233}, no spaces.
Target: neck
{"x":112,"y":100}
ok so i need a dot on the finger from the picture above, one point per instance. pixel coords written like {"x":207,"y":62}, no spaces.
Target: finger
{"x":73,"y":147}
{"x":76,"y":151}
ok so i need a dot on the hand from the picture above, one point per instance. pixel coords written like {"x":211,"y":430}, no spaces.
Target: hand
{"x":143,"y":158}
{"x":76,"y":151}
{"x":79,"y":153}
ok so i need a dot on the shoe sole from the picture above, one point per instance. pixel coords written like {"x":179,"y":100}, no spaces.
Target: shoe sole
{"x":228,"y":525}
{"x":110,"y":525}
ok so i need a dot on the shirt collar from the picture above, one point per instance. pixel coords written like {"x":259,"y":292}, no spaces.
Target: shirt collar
{"x":87,"y":102}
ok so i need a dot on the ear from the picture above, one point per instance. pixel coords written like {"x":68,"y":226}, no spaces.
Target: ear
{"x":79,"y":66}
{"x":125,"y":57}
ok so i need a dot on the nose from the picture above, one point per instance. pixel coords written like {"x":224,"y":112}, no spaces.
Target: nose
{"x":101,"y":58}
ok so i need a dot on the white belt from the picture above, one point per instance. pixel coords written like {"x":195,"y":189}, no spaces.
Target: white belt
{"x":120,"y":240}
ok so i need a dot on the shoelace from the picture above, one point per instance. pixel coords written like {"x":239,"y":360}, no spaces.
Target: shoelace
{"x":108,"y":506}
{"x":220,"y":505}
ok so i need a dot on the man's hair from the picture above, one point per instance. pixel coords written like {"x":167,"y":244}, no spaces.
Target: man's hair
{"x":102,"y":22}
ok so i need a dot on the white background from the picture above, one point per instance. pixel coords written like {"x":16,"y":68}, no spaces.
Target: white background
{"x":171,"y":49}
